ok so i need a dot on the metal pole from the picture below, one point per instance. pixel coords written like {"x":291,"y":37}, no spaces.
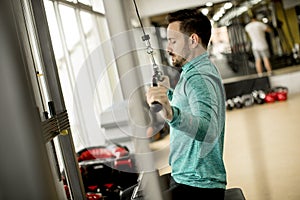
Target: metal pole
{"x":51,"y":72}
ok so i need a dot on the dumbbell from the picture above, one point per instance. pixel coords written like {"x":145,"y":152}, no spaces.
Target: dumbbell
{"x":259,"y":96}
{"x":229,"y":104}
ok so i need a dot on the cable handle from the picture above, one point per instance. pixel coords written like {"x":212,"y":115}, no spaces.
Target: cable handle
{"x":157,"y":77}
{"x":155,"y":106}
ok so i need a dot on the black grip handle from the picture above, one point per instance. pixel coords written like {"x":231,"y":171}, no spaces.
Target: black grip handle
{"x":155,"y":106}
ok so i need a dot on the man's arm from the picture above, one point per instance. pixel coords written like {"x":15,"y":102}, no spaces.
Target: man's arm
{"x":268,"y":29}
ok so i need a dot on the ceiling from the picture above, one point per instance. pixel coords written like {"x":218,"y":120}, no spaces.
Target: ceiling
{"x":219,"y":12}
{"x":160,"y":19}
{"x":149,"y":8}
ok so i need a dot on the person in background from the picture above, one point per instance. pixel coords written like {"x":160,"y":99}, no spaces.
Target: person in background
{"x":194,"y":110}
{"x":256,"y":31}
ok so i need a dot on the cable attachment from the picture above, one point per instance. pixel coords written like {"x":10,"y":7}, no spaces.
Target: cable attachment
{"x":146,"y":37}
{"x":157,"y":73}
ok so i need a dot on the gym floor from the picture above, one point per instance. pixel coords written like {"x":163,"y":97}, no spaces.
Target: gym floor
{"x":262,"y":152}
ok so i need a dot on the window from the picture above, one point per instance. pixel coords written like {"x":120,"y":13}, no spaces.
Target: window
{"x":78,"y":29}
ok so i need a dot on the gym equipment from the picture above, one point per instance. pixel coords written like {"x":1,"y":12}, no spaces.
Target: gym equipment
{"x":106,"y":171}
{"x":270,"y":97}
{"x":238,"y":102}
{"x":234,"y":194}
{"x":259,"y":96}
{"x":279,"y":93}
{"x":157,"y":75}
{"x":247,"y":100}
{"x":229,"y":104}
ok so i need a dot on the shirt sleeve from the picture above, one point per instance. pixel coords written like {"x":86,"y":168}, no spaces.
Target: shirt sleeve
{"x":198,"y":119}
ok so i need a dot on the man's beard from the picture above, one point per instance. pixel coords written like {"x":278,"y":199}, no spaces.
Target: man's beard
{"x":180,"y":60}
{"x":178,"y":63}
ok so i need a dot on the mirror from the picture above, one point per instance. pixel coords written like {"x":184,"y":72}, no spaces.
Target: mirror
{"x":230,"y":46}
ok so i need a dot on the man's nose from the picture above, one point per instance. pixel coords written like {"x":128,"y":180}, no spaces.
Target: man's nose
{"x":168,"y":49}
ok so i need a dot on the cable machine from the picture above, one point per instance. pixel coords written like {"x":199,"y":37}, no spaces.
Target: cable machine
{"x":31,"y":123}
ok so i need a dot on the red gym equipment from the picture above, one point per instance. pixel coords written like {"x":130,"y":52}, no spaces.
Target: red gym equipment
{"x":277,"y":94}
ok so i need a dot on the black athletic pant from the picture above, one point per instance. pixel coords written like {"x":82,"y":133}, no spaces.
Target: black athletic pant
{"x":177,"y":191}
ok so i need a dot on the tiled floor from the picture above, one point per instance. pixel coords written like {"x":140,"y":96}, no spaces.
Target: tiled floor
{"x":262,"y":150}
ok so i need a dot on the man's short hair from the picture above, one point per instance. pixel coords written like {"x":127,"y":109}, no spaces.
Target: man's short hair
{"x":192,"y":21}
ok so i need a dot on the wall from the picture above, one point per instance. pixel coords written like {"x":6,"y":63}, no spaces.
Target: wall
{"x":291,"y":80}
{"x":290,"y":3}
{"x":293,"y":23}
{"x":283,"y":16}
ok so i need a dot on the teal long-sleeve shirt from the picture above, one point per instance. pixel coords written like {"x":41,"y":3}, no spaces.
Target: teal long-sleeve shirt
{"x":197,"y":127}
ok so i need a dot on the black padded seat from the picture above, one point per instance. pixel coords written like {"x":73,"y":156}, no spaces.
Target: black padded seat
{"x":234,"y":194}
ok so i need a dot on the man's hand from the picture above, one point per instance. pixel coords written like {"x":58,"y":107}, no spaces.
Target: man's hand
{"x":159,"y":94}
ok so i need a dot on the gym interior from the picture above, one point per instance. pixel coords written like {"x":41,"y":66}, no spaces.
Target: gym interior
{"x":73,"y":80}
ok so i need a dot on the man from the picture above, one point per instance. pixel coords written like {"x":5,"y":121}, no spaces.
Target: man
{"x":194,"y":110}
{"x":256,"y":31}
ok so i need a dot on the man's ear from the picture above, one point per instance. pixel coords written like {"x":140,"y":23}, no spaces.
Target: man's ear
{"x":195,"y":40}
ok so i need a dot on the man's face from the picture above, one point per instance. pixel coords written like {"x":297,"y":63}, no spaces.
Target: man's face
{"x":177,"y":47}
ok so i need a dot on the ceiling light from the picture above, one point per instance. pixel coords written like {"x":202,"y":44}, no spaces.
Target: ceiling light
{"x":209,"y":4}
{"x":222,"y":10}
{"x":265,"y":20}
{"x":216,"y":18}
{"x":204,"y":11}
{"x":227,"y":5}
